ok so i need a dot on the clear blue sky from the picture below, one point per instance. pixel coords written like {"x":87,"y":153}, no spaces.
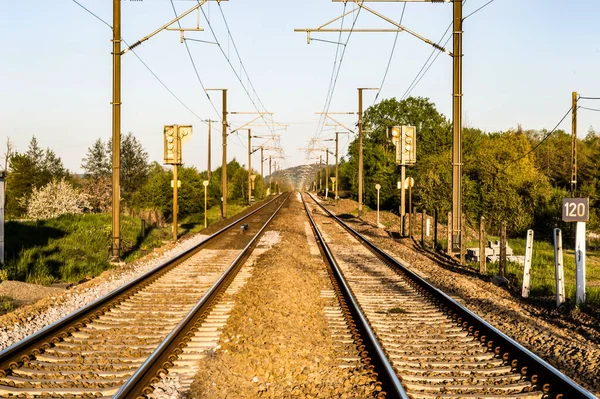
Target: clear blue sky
{"x":523,"y":58}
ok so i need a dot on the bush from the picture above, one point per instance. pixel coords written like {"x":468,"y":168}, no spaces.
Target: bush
{"x":55,"y":199}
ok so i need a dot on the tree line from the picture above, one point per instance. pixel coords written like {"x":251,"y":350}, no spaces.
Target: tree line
{"x":39,"y":186}
{"x":513,"y":175}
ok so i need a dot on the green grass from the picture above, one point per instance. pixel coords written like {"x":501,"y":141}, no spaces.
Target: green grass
{"x":543,"y":283}
{"x":73,"y":247}
{"x":6,"y":305}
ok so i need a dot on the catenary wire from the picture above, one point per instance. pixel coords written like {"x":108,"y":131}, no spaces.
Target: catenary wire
{"x":479,"y":9}
{"x":145,"y":65}
{"x":194,"y":66}
{"x":391,"y":56}
{"x":590,"y":109}
{"x":538,"y":144}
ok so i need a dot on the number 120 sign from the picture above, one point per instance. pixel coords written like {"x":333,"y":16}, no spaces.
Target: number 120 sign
{"x":576,"y":209}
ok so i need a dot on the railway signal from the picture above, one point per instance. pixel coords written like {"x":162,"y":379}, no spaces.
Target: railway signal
{"x":174,"y":136}
{"x":404,"y":139}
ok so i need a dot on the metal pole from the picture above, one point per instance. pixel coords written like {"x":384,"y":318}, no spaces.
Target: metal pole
{"x":574,"y":145}
{"x":116,"y":133}
{"x":175,"y":207}
{"x":336,"y":164}
{"x":326,"y":173}
{"x":410,"y":211}
{"x":262,"y":167}
{"x":377,"y":207}
{"x":457,"y":128}
{"x":205,"y":205}
{"x":402,"y":197}
{"x":208,"y":171}
{"x":249,"y":164}
{"x":270,"y":176}
{"x":320,"y":172}
{"x":360,"y":153}
{"x":224,"y":161}
{"x":449,"y":233}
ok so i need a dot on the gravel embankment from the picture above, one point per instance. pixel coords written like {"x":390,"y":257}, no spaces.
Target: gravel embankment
{"x":276,"y":342}
{"x":570,"y":342}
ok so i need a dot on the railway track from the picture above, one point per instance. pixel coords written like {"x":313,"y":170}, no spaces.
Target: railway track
{"x":422,"y":342}
{"x":119,"y":345}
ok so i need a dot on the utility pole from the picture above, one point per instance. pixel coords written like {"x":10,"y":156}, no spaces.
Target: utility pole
{"x":457,"y":128}
{"x":270,"y":175}
{"x":360,"y":148}
{"x":208,"y":171}
{"x":116,"y":133}
{"x":249,"y":165}
{"x":320,"y":172}
{"x":326,"y":172}
{"x":224,"y":161}
{"x":574,"y":145}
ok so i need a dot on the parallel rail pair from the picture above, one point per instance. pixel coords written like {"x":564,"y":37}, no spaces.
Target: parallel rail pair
{"x":483,"y":340}
{"x":120,"y":303}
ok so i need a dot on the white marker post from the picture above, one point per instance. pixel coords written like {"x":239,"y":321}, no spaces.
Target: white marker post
{"x":527,"y":265}
{"x":578,"y":210}
{"x":559,"y":268}
{"x":580,"y":262}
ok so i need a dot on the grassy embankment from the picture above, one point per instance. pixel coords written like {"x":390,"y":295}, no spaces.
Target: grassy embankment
{"x":73,"y":247}
{"x":543,"y":283}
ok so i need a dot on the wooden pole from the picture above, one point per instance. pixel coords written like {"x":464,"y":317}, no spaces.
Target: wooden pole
{"x":449,"y":251}
{"x":482,"y":240}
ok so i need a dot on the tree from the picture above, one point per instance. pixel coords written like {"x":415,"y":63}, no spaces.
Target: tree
{"x":97,"y":163}
{"x":56,"y":198}
{"x":134,"y":165}
{"x":33,"y":169}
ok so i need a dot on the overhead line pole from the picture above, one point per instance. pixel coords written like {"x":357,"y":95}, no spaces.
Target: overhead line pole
{"x":116,"y":133}
{"x":208,"y":169}
{"x":457,"y":236}
{"x":574,"y":144}
{"x":360,"y":148}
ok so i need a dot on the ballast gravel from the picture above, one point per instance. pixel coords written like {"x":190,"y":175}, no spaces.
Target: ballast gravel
{"x":277,"y":342}
{"x":570,"y":342}
{"x":24,"y":322}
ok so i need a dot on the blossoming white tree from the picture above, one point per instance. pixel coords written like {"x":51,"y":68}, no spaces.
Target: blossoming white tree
{"x":54,"y":199}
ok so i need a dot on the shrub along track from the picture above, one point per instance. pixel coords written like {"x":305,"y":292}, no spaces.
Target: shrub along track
{"x":436,"y":347}
{"x":92,"y":352}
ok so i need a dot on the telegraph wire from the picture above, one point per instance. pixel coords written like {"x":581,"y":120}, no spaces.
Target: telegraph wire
{"x":145,"y":65}
{"x":588,"y":98}
{"x":391,"y":56}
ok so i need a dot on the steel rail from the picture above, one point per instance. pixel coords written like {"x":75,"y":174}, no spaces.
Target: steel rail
{"x":551,"y":381}
{"x":386,"y":374}
{"x":29,"y":347}
{"x":139,"y":384}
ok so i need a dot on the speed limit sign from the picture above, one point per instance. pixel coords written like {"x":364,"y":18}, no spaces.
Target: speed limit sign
{"x":576,"y":210}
